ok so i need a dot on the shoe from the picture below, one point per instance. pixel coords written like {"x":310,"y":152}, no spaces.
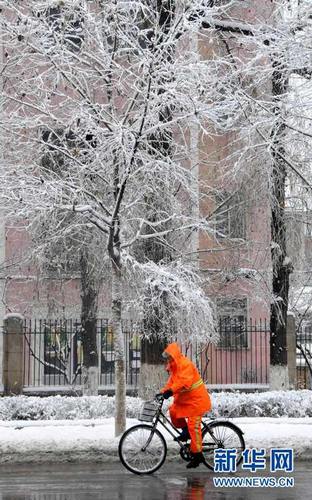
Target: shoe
{"x":183,"y":436}
{"x":198,"y":458}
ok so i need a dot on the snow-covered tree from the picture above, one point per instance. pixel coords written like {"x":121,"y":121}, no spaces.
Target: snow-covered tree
{"x":65,"y":249}
{"x":111,"y":81}
{"x":263,"y":61}
{"x":135,"y":90}
{"x":279,"y":129}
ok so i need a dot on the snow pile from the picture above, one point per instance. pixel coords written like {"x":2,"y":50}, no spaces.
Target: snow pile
{"x":58,"y":441}
{"x":267,"y":433}
{"x":293,"y":404}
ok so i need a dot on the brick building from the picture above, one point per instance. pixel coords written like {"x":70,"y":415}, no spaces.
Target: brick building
{"x":236,"y":259}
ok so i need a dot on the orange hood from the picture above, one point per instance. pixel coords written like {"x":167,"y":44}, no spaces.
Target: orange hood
{"x":174,"y":351}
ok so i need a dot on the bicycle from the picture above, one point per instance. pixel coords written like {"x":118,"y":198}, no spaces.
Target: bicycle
{"x":143,"y":449}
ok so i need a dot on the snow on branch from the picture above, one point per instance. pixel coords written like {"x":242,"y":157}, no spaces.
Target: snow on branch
{"x":173,"y":294}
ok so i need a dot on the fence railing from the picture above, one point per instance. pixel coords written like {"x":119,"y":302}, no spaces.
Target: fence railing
{"x":242,"y":356}
{"x":53,"y":354}
{"x":304,"y":357}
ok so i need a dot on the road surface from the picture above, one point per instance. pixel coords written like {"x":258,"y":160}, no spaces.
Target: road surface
{"x":112,"y":482}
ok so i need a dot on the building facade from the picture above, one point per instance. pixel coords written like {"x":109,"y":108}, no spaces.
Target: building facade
{"x":234,"y":257}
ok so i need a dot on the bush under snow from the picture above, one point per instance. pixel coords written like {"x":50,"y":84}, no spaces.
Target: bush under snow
{"x":62,"y":407}
{"x":225,"y":404}
{"x":264,"y":404}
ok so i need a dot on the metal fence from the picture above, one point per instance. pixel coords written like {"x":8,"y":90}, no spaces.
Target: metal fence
{"x":304,"y":356}
{"x":53,"y":355}
{"x":241,"y":359}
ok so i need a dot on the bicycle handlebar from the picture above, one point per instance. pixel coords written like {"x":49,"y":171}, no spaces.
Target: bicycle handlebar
{"x":159,"y":398}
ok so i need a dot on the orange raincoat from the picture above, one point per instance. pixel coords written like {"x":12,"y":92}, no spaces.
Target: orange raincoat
{"x":191,"y":397}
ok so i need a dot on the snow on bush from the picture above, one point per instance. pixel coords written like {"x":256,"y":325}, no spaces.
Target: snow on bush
{"x":62,"y":407}
{"x":224,"y":404}
{"x":264,"y":404}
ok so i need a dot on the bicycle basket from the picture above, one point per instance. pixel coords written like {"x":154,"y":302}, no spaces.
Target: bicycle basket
{"x":148,"y":411}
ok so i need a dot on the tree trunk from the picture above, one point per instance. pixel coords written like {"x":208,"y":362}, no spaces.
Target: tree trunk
{"x":152,"y":368}
{"x":120,"y":375}
{"x":89,"y":302}
{"x":280,"y":263}
{"x":152,"y":374}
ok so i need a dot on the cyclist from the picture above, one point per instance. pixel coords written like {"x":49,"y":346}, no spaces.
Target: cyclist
{"x":191,"y":399}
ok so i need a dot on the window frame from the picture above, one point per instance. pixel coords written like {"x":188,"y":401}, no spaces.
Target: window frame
{"x":232,"y":324}
{"x":225,"y":218}
{"x":52,"y":16}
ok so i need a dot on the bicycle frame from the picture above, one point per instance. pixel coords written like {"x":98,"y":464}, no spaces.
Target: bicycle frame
{"x":217,"y":434}
{"x":170,"y":428}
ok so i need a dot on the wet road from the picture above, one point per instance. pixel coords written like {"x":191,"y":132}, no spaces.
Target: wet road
{"x":112,"y":482}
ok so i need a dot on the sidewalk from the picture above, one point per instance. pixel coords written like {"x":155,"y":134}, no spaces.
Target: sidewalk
{"x":93,"y":440}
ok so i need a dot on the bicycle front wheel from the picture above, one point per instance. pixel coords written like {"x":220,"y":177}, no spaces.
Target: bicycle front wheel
{"x":222,"y":435}
{"x":142,"y":449}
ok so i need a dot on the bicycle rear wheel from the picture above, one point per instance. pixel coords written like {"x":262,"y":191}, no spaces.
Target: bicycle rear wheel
{"x":222,"y":435}
{"x":142,"y":449}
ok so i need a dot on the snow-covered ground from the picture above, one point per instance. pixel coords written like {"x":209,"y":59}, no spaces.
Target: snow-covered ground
{"x":93,"y":440}
{"x":58,"y":428}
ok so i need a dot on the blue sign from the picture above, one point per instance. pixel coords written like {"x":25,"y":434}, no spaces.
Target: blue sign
{"x":254,"y":459}
{"x":225,"y":460}
{"x":282,"y":459}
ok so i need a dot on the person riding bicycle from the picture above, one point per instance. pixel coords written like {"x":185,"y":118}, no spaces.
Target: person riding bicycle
{"x":191,"y":399}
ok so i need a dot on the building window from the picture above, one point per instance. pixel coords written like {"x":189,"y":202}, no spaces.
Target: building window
{"x":62,"y":257}
{"x":230,"y":215}
{"x":308,"y":229}
{"x":53,"y":152}
{"x":232,"y":316}
{"x":61,"y":147}
{"x":63,"y":25}
{"x":67,"y":26}
{"x":305,"y":332}
{"x":218,"y":3}
{"x":142,"y":31}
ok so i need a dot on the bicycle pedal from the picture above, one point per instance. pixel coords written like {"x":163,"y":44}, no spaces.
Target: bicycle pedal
{"x":181,"y":439}
{"x":185,"y":453}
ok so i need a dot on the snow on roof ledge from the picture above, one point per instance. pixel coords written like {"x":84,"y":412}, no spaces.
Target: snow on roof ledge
{"x":14,"y":315}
